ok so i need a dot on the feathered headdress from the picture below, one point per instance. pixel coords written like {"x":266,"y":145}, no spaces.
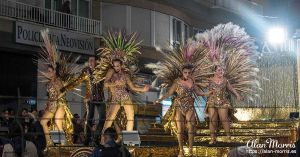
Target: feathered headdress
{"x":192,"y":53}
{"x":119,"y":46}
{"x":66,"y":69}
{"x":66,"y":65}
{"x":231,"y":48}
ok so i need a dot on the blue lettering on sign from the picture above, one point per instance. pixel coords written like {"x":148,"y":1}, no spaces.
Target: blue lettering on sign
{"x":19,"y":31}
{"x":60,"y":40}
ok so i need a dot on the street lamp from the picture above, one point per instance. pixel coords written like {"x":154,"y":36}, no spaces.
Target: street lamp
{"x":276,"y":35}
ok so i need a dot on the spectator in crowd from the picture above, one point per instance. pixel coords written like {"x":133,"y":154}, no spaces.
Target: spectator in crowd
{"x":27,"y":119}
{"x":33,"y":113}
{"x":24,"y":112}
{"x":18,"y":147}
{"x":65,"y":8}
{"x":37,"y":136}
{"x":3,"y":141}
{"x":110,"y":148}
{"x":12,"y":113}
{"x":6,"y":119}
{"x":78,"y":136}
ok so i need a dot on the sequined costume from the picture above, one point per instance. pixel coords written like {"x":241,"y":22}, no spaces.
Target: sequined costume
{"x":219,"y":98}
{"x":231,"y":48}
{"x":65,"y":69}
{"x":190,"y":56}
{"x":125,"y":48}
{"x":234,"y":52}
{"x":53,"y":104}
{"x":119,"y":93}
{"x":182,"y":102}
{"x":184,"y":99}
{"x":170,"y":69}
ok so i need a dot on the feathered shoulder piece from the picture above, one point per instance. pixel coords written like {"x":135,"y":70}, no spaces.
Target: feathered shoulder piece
{"x":65,"y":65}
{"x":191,"y":54}
{"x":118,"y":46}
{"x":231,"y":48}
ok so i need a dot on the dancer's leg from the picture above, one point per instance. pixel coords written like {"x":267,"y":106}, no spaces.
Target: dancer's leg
{"x":110,"y":115}
{"x":129,"y":111}
{"x":223,"y":115}
{"x":213,"y":117}
{"x":191,"y":121}
{"x":59,"y":117}
{"x":180,"y":126}
{"x":44,"y":122}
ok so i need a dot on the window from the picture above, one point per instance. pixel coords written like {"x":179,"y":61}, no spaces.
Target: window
{"x":53,"y":4}
{"x":180,"y":31}
{"x":177,"y":30}
{"x":74,"y":7}
{"x":186,"y":32}
{"x":83,"y":8}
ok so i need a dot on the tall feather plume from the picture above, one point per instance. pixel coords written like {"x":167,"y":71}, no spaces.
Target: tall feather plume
{"x":170,"y":66}
{"x":68,"y":68}
{"x":234,"y":50}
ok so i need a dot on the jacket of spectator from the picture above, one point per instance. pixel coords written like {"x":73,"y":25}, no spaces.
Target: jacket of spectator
{"x":18,"y":146}
{"x":29,"y":150}
{"x":110,"y":148}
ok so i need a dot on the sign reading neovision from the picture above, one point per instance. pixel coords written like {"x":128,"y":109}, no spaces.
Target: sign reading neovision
{"x":30,"y":34}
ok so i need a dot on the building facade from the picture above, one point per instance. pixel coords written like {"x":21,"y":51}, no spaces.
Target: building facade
{"x":159,"y":23}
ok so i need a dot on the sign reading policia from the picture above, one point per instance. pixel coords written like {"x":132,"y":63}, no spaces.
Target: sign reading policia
{"x":29,"y":34}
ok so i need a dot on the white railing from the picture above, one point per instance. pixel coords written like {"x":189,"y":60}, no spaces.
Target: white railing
{"x":13,"y":9}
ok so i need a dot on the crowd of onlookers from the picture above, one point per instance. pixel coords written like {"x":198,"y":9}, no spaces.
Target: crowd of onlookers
{"x":22,"y":135}
{"x":27,"y":126}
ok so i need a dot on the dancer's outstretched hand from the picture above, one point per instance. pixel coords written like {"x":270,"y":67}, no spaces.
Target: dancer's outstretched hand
{"x":211,"y":92}
{"x":156,"y":102}
{"x":146,"y":88}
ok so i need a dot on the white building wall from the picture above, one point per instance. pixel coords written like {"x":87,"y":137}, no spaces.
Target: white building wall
{"x":113,"y":16}
{"x":141,"y":23}
{"x":152,"y":27}
{"x":162,"y":30}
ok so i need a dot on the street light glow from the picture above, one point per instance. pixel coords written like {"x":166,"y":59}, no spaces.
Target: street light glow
{"x":276,"y":35}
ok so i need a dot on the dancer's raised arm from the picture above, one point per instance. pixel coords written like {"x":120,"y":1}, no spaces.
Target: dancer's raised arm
{"x":135,"y":88}
{"x":168,"y":94}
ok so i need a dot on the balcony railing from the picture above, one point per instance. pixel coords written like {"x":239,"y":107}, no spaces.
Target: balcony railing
{"x":13,"y":9}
